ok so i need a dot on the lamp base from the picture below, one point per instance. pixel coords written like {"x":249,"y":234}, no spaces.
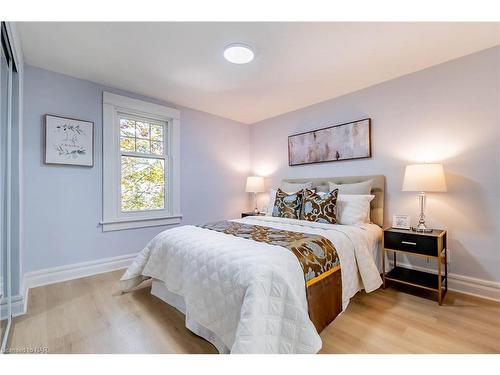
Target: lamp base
{"x":421,"y":229}
{"x":426,"y":230}
{"x":255,"y":210}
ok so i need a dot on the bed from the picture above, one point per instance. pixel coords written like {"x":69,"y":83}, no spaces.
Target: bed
{"x":246,"y":296}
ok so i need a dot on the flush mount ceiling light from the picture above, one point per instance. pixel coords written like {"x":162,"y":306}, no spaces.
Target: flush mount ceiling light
{"x":238,"y":53}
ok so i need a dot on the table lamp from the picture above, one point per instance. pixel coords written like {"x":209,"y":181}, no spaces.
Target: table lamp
{"x":424,"y":178}
{"x":255,"y":184}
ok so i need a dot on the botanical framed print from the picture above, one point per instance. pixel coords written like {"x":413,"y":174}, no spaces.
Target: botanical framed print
{"x":401,"y":222}
{"x":351,"y":140}
{"x":69,"y":141}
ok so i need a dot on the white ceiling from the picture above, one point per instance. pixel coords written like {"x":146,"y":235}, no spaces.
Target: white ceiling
{"x":296,"y":64}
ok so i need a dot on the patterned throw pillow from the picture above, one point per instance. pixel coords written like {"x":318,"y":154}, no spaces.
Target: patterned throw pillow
{"x":320,"y":208}
{"x":287,"y":205}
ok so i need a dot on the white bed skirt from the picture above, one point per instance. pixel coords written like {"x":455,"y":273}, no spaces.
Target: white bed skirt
{"x":159,"y":290}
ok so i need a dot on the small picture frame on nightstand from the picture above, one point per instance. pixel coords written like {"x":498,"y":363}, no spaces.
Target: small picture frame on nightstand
{"x":401,"y":222}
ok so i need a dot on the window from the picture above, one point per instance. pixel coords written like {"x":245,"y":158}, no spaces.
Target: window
{"x":142,"y":159}
{"x":141,"y":164}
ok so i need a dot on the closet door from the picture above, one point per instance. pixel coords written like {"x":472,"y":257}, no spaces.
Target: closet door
{"x":6,"y":71}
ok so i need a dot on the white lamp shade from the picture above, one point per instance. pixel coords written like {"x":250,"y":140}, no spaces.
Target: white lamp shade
{"x":255,"y":184}
{"x":424,"y":177}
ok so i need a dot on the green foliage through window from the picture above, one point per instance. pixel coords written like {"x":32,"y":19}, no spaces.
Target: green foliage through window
{"x":143,"y":186}
{"x":141,"y":137}
{"x":142,"y":177}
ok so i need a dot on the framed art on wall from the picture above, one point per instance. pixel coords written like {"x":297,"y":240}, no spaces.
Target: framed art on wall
{"x":69,"y":141}
{"x":346,"y":141}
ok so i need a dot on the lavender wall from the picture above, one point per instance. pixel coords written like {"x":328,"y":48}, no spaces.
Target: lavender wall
{"x":63,"y":204}
{"x":447,"y":113}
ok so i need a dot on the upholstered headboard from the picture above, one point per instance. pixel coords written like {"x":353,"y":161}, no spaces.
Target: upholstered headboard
{"x":378,"y":189}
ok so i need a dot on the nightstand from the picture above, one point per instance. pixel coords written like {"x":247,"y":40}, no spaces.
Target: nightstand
{"x":426,"y":245}
{"x":251,"y":213}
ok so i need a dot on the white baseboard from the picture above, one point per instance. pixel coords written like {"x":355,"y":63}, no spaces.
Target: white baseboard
{"x":64,"y":273}
{"x":76,"y":271}
{"x":465,"y":284}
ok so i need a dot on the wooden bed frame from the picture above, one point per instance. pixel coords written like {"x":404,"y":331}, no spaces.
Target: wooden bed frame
{"x":324,"y":300}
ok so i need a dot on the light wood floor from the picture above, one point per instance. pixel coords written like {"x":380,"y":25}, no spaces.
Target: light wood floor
{"x":89,"y":316}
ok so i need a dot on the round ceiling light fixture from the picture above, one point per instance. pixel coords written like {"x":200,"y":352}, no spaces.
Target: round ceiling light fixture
{"x":238,"y":53}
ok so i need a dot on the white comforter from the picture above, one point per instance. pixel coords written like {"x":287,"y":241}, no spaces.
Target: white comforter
{"x":251,"y":294}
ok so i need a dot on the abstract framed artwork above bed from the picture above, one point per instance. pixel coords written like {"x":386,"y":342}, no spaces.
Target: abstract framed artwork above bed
{"x":347,"y":141}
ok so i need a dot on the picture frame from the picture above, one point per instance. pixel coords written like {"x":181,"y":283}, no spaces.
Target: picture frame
{"x":401,"y":222}
{"x":69,"y":141}
{"x":346,"y":141}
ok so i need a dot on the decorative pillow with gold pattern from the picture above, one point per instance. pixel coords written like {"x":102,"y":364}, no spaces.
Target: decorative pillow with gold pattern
{"x":287,"y":205}
{"x":320,"y":208}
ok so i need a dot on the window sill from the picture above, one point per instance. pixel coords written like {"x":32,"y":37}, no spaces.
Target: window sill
{"x":112,"y":225}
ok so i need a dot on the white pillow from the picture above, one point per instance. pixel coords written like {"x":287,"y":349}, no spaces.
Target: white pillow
{"x":364,"y":187}
{"x":270,"y":205}
{"x":353,"y":209}
{"x":290,"y":188}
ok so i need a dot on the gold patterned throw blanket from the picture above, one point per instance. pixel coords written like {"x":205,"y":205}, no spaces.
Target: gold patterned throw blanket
{"x":317,"y":257}
{"x":316,"y":254}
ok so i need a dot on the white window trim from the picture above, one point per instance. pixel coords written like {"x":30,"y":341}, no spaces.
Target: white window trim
{"x":113,"y":217}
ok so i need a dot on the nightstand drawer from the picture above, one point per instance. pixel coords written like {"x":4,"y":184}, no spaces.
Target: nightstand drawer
{"x":424,"y":245}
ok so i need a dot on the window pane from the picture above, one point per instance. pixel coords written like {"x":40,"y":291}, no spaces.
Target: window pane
{"x":142,"y":129}
{"x":127,"y":144}
{"x":143,"y":146}
{"x":142,"y":183}
{"x":127,"y":128}
{"x":157,"y":148}
{"x":156,"y":132}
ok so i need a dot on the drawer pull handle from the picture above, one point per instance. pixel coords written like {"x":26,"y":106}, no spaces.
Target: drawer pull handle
{"x":409,"y":243}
